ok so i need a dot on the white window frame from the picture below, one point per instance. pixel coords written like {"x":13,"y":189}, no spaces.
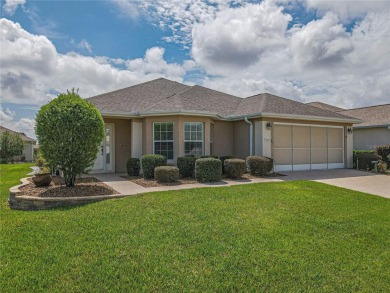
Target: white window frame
{"x":192,"y":140}
{"x":173,"y":141}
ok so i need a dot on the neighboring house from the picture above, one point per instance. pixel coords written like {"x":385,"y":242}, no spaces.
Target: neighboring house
{"x":28,"y":151}
{"x":375,"y":129}
{"x":173,"y":119}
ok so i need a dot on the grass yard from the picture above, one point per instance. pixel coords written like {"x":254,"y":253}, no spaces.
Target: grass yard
{"x":286,"y":237}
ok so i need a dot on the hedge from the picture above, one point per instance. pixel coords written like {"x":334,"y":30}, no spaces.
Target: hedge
{"x":186,"y":166}
{"x":223,"y":158}
{"x":364,"y":161}
{"x":166,"y":174}
{"x":208,"y":170}
{"x":234,"y":168}
{"x":133,"y":167}
{"x":211,"y":156}
{"x":259,"y":165}
{"x":149,"y":162}
{"x":356,"y":152}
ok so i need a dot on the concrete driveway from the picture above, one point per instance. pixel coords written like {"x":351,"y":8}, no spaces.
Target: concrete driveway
{"x":377,"y":184}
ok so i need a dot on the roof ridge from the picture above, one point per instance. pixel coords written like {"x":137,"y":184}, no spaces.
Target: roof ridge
{"x":136,"y":85}
{"x":387,"y":104}
{"x":166,"y":98}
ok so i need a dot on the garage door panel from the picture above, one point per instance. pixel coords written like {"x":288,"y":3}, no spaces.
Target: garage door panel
{"x":301,"y":156}
{"x":319,"y":156}
{"x":335,"y":137}
{"x":283,"y":157}
{"x":301,"y":136}
{"x":283,"y":136}
{"x":318,"y":137}
{"x":335,"y":156}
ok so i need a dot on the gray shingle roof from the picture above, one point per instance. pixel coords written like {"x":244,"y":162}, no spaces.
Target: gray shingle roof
{"x":267,"y":103}
{"x":137,"y":97}
{"x":162,"y":95}
{"x":372,"y":116}
{"x":325,"y":106}
{"x":22,"y":135}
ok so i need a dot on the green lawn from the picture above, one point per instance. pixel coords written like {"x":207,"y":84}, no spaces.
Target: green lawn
{"x":286,"y":237}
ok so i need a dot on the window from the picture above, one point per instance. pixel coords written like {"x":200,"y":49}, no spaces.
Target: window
{"x":163,"y":139}
{"x":193,"y":139}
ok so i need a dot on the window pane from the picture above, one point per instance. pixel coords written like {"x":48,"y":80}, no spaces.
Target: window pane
{"x":193,"y":135}
{"x":187,"y":126}
{"x":163,"y":136}
{"x":157,"y":136}
{"x":193,"y":127}
{"x":199,"y":136}
{"x":157,"y":127}
{"x":187,"y":136}
{"x":169,"y":126}
{"x":169,"y":135}
{"x":199,"y":126}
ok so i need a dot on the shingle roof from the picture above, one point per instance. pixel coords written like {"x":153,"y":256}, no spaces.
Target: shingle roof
{"x":325,"y":106}
{"x":137,"y":97}
{"x":267,"y":103}
{"x":372,"y":116}
{"x":162,"y":95}
{"x":22,"y":135}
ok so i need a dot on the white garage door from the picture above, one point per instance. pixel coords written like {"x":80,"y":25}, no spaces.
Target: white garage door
{"x":307,"y":147}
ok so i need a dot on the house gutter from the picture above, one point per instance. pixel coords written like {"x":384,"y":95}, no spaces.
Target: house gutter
{"x":250,"y":134}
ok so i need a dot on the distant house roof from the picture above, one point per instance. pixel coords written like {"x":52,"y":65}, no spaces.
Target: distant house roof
{"x":22,"y":135}
{"x":162,"y":96}
{"x":325,"y":106}
{"x":378,"y":115}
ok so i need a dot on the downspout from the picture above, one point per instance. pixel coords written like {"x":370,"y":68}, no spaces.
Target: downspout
{"x":250,"y":134}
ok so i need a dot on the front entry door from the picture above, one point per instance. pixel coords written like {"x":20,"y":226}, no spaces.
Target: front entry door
{"x":104,"y":158}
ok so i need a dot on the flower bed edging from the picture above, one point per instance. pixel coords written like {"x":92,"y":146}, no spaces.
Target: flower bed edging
{"x":32,"y":203}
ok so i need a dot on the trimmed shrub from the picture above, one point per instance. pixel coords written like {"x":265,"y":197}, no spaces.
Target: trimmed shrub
{"x":364,"y":161}
{"x":234,"y":168}
{"x":186,"y":166}
{"x":259,"y":165}
{"x":357,"y":152}
{"x":149,"y":162}
{"x":223,"y":158}
{"x":213,"y":156}
{"x":133,"y":167}
{"x":208,"y":170}
{"x":382,"y":167}
{"x":384,"y":152}
{"x":166,"y":174}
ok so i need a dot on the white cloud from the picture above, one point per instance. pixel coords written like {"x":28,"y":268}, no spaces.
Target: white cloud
{"x":34,"y":72}
{"x":348,"y":10}
{"x":25,"y":125}
{"x":83,"y":45}
{"x":10,"y":6}
{"x":238,"y":36}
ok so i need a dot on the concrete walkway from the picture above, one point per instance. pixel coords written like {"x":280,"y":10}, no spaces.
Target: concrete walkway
{"x":377,"y":184}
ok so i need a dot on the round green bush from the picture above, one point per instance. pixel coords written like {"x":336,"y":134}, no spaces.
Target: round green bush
{"x":234,"y":168}
{"x":149,"y":162}
{"x":259,"y":165}
{"x":186,"y":166}
{"x":208,"y":170}
{"x":70,"y":130}
{"x":223,"y":158}
{"x":166,"y":174}
{"x":133,"y":167}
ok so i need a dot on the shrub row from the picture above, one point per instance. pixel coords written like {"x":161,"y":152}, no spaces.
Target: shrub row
{"x":207,"y":169}
{"x":364,"y":160}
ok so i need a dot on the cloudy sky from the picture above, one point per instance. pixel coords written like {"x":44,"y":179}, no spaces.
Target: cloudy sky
{"x":336,"y":52}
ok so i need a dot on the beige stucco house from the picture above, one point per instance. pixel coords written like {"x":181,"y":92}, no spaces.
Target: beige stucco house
{"x":373,"y":131}
{"x":29,"y":143}
{"x":173,"y":119}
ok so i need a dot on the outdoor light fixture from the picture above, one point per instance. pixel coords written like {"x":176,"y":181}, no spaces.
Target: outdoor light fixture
{"x":268,"y":125}
{"x":349,"y":129}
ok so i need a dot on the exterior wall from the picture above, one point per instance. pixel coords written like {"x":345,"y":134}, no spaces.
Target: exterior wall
{"x":122,"y":142}
{"x":241,"y":139}
{"x":369,"y":138}
{"x":223,"y":138}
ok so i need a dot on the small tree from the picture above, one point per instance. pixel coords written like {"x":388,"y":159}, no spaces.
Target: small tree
{"x":11,"y":145}
{"x":70,"y":131}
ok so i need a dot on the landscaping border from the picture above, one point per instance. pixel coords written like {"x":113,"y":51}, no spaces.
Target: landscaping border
{"x":33,"y":203}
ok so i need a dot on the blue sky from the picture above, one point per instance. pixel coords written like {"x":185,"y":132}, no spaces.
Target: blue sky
{"x":332,"y":51}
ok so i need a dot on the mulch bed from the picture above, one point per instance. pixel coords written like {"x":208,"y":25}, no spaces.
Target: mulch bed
{"x":88,"y":186}
{"x":153,"y":183}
